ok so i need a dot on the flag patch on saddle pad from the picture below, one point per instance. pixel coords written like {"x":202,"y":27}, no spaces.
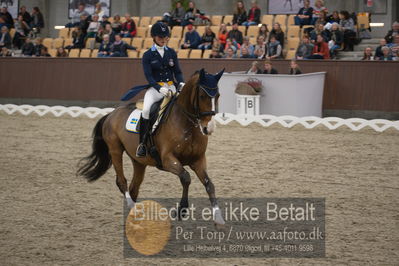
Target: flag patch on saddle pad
{"x":133,"y":120}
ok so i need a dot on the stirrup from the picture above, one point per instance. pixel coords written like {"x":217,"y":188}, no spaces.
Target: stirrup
{"x":141,"y":150}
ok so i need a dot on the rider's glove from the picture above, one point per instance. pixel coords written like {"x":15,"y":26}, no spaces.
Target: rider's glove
{"x":164,"y":91}
{"x":181,"y":85}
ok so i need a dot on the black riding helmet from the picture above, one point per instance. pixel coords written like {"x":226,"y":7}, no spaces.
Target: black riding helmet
{"x":159,"y":29}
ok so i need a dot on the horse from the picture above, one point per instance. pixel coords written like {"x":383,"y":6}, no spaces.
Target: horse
{"x":181,"y":140}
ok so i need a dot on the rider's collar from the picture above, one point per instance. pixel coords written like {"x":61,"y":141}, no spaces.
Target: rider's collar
{"x":157,"y":47}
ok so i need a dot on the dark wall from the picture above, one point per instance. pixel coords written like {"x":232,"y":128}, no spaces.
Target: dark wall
{"x":350,"y":85}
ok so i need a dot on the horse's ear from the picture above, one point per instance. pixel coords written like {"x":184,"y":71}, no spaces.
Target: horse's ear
{"x":202,"y":74}
{"x":219,"y":75}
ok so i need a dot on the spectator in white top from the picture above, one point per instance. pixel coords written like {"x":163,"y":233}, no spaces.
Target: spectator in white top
{"x":75,"y":18}
{"x":94,"y":26}
{"x":99,"y":12}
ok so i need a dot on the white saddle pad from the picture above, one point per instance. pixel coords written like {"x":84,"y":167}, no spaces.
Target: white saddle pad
{"x":133,"y":120}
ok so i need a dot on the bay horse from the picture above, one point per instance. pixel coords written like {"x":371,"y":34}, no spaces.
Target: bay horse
{"x":181,"y":140}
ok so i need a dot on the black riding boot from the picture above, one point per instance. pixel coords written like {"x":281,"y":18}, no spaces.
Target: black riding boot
{"x":142,"y":149}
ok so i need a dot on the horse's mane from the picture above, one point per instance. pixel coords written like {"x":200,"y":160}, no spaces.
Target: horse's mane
{"x":189,"y":87}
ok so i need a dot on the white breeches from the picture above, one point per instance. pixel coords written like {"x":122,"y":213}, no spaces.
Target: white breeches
{"x":152,"y":96}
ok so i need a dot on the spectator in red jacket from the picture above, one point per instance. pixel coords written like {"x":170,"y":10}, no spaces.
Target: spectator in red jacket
{"x":253,"y":15}
{"x":320,"y":49}
{"x":129,"y":29}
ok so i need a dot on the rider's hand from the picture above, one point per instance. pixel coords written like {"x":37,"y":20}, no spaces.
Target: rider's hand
{"x":181,"y":85}
{"x":164,"y":91}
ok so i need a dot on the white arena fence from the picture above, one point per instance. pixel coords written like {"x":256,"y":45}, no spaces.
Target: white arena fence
{"x":309,"y":122}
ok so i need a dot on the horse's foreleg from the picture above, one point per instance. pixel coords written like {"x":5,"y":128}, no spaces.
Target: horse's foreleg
{"x":199,"y":168}
{"x":138,"y":176}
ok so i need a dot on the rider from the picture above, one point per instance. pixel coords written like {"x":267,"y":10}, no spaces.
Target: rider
{"x":161,"y":69}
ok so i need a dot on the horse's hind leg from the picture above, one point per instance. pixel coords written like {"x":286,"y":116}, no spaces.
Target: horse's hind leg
{"x":138,"y":176}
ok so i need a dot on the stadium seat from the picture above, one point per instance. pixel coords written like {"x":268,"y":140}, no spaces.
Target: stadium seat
{"x":174,"y":43}
{"x":290,"y":54}
{"x":137,"y":42}
{"x":63,"y":33}
{"x":132,"y":54}
{"x":215,"y":30}
{"x":155,"y":20}
{"x":363,"y":21}
{"x":177,"y":32}
{"x":243,"y":29}
{"x":291,"y":20}
{"x":206,"y":54}
{"x":306,"y":27}
{"x":136,"y":20}
{"x":147,"y":43}
{"x":145,"y":21}
{"x":183,"y":53}
{"x":228,"y":19}
{"x":127,"y":40}
{"x":85,"y":53}
{"x":52,"y":52}
{"x":200,"y":30}
{"x":293,"y":32}
{"x":94,"y":53}
{"x":140,"y":54}
{"x":267,"y":19}
{"x":282,"y":19}
{"x":12,"y":33}
{"x":252,"y":31}
{"x":252,"y":40}
{"x":48,"y":42}
{"x":74,"y":53}
{"x":57,"y":43}
{"x":196,"y":53}
{"x":284,"y":29}
{"x":292,"y":43}
{"x":216,"y":20}
{"x":141,"y":32}
{"x":68,"y":41}
{"x":90,"y":42}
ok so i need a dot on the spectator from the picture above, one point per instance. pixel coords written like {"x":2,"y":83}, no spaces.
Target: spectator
{"x":177,"y":15}
{"x":44,"y":52}
{"x":294,"y":68}
{"x":386,"y":54}
{"x":119,"y":47}
{"x":77,"y":15}
{"x":229,"y":44}
{"x":254,"y":68}
{"x":304,"y":16}
{"x":274,"y":49}
{"x":392,"y":33}
{"x":25,"y":14}
{"x":61,"y":52}
{"x":216,"y":45}
{"x":222,"y":36}
{"x":395,"y":46}
{"x":348,"y":26}
{"x":37,"y":20}
{"x":305,"y":49}
{"x":5,"y":38}
{"x":318,"y":9}
{"x":368,"y":54}
{"x":253,"y":15}
{"x":207,"y":39}
{"x":268,"y":68}
{"x":129,"y":29}
{"x":215,"y":54}
{"x":105,"y":21}
{"x":240,"y":14}
{"x":319,"y":29}
{"x":336,"y":41}
{"x":78,"y":40}
{"x":94,"y":27}
{"x":260,"y":47}
{"x":263,"y":30}
{"x":28,"y":49}
{"x":7,"y":17}
{"x":378,"y":50}
{"x":193,"y":15}
{"x":334,"y":17}
{"x":116,"y":24}
{"x":38,"y":46}
{"x":230,"y":53}
{"x":320,"y":49}
{"x":245,"y":53}
{"x":84,"y":24}
{"x":235,"y":34}
{"x":99,"y":12}
{"x":191,"y":39}
{"x":278,"y":33}
{"x":3,"y":22}
{"x":106,"y":31}
{"x":21,"y":32}
{"x":5,"y":52}
{"x":322,"y":19}
{"x":105,"y":47}
{"x":246,"y":44}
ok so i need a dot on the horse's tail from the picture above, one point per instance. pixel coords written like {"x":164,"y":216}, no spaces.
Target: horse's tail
{"x":98,"y":162}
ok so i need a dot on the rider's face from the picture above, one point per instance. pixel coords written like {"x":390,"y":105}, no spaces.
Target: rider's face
{"x":161,"y":41}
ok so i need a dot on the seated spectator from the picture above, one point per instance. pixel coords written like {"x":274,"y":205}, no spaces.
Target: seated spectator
{"x":215,"y":54}
{"x":44,"y":52}
{"x":5,"y":38}
{"x":3,"y":22}
{"x":246,"y":44}
{"x":240,"y":14}
{"x":253,"y":15}
{"x":260,"y":47}
{"x":305,"y":48}
{"x":322,"y":19}
{"x":216,"y":45}
{"x":61,"y":52}
{"x":222,"y":36}
{"x":392,"y":33}
{"x":116,"y":24}
{"x":84,"y":24}
{"x":106,"y":31}
{"x":119,"y":47}
{"x":337,"y":38}
{"x":37,"y":23}
{"x":207,"y":39}
{"x":177,"y":15}
{"x":5,"y":52}
{"x":334,"y":17}
{"x":395,"y":45}
{"x":191,"y":39}
{"x":320,"y":49}
{"x":105,"y":21}
{"x":255,"y":69}
{"x":318,"y":9}
{"x":21,"y":32}
{"x":304,"y":16}
{"x":348,"y":26}
{"x":229,"y":44}
{"x":129,"y":29}
{"x":38,"y":46}
{"x":368,"y":54}
{"x":319,"y":29}
{"x":105,"y":47}
{"x":274,"y":49}
{"x":78,"y":40}
{"x":230,"y":53}
{"x":294,"y":68}
{"x":25,"y":15}
{"x":378,"y":50}
{"x":386,"y":54}
{"x":245,"y":53}
{"x":235,"y":35}
{"x":278,"y":33}
{"x":268,"y":68}
{"x":28,"y":49}
{"x":8,"y":20}
{"x":264,"y":31}
{"x":94,"y":27}
{"x":99,"y":12}
{"x":76,"y":16}
{"x":193,"y":15}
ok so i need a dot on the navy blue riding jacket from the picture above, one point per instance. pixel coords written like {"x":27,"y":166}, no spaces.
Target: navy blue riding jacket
{"x":161,"y":69}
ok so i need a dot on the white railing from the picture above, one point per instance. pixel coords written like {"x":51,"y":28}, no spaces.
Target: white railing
{"x":310,"y":122}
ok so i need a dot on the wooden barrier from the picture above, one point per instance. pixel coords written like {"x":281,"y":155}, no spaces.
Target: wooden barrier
{"x":350,"y":85}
